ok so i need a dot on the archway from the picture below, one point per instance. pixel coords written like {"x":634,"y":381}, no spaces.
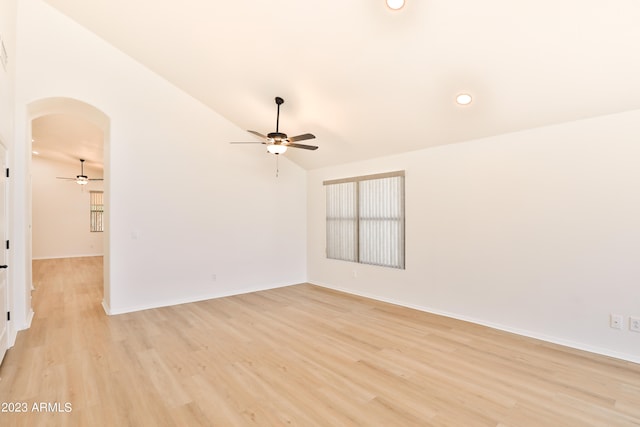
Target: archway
{"x":68,"y":107}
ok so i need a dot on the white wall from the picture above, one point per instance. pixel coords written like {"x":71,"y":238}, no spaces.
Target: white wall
{"x":61,"y":220}
{"x":536,"y":232}
{"x":7,"y":75}
{"x":183,"y":204}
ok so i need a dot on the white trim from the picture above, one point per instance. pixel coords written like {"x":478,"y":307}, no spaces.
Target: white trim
{"x":29,"y":319}
{"x":206,"y":297}
{"x":364,"y":177}
{"x":11,"y":339}
{"x":67,"y":256}
{"x":554,"y":340}
{"x":106,"y":308}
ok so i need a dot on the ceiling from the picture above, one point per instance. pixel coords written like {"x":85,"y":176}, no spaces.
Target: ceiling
{"x":68,"y":138}
{"x":369,"y":81}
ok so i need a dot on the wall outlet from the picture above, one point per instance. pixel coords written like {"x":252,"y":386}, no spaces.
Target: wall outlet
{"x":354,"y":274}
{"x":634,"y":324}
{"x":616,"y":321}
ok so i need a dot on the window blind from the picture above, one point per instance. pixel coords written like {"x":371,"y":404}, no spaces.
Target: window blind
{"x":342,"y":221}
{"x":96,"y":211}
{"x":365,"y":219}
{"x":381,"y":225}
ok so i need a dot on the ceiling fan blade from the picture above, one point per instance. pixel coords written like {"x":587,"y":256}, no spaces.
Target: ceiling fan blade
{"x":247,"y":142}
{"x":306,"y":147}
{"x":301,"y":137}
{"x":96,"y":179}
{"x":258,"y":134}
{"x":61,"y":177}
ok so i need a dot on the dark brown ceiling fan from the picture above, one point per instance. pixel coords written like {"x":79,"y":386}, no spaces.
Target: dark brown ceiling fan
{"x":81,"y":179}
{"x":278,"y":142}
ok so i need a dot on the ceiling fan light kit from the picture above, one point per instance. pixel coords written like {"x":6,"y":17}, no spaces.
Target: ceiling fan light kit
{"x":276,"y":148}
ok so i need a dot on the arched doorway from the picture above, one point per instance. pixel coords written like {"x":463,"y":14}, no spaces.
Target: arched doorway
{"x":90,"y":125}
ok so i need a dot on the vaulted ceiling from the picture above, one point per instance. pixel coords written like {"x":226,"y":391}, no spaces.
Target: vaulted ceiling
{"x":369,"y":81}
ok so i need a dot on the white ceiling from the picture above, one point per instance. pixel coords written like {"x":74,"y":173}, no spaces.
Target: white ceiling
{"x":368,"y":81}
{"x":68,"y":138}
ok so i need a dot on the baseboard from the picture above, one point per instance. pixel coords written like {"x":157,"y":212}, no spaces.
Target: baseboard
{"x":29,"y":319}
{"x":106,"y":308}
{"x":131,"y":309}
{"x":526,"y":333}
{"x":11,"y":337}
{"x":13,"y":329}
{"x":67,"y":256}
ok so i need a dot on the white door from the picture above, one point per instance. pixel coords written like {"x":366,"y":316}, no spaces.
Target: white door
{"x":4,"y":323}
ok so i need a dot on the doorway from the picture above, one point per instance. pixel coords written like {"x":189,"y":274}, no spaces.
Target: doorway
{"x":63,"y":132}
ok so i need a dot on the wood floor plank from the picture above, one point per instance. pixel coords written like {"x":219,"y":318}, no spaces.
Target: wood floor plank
{"x":297,"y":356}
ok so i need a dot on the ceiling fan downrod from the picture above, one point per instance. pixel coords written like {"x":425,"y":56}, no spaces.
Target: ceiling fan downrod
{"x":279,"y":101}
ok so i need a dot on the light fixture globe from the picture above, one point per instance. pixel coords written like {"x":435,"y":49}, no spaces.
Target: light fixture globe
{"x":276,"y":148}
{"x":82,"y":180}
{"x":395,"y":4}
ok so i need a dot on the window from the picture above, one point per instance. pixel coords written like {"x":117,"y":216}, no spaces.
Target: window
{"x":365,"y":219}
{"x":96,"y":211}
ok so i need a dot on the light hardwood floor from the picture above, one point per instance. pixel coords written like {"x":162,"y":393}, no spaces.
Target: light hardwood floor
{"x":300,"y":355}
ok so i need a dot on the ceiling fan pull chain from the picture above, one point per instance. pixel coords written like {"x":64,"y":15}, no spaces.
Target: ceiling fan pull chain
{"x":277,"y":165}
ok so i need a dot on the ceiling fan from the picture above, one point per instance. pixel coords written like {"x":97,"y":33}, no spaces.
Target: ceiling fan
{"x":81,"y":179}
{"x":278,"y":142}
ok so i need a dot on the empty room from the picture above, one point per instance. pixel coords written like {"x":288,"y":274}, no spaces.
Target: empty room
{"x":320,"y":213}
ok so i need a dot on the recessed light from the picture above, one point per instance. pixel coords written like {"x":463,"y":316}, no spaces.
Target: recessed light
{"x":463,"y":99}
{"x":395,"y":4}
{"x":35,"y":152}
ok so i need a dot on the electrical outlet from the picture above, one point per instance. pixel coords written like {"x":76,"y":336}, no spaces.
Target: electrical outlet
{"x":616,"y":321}
{"x":634,"y":324}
